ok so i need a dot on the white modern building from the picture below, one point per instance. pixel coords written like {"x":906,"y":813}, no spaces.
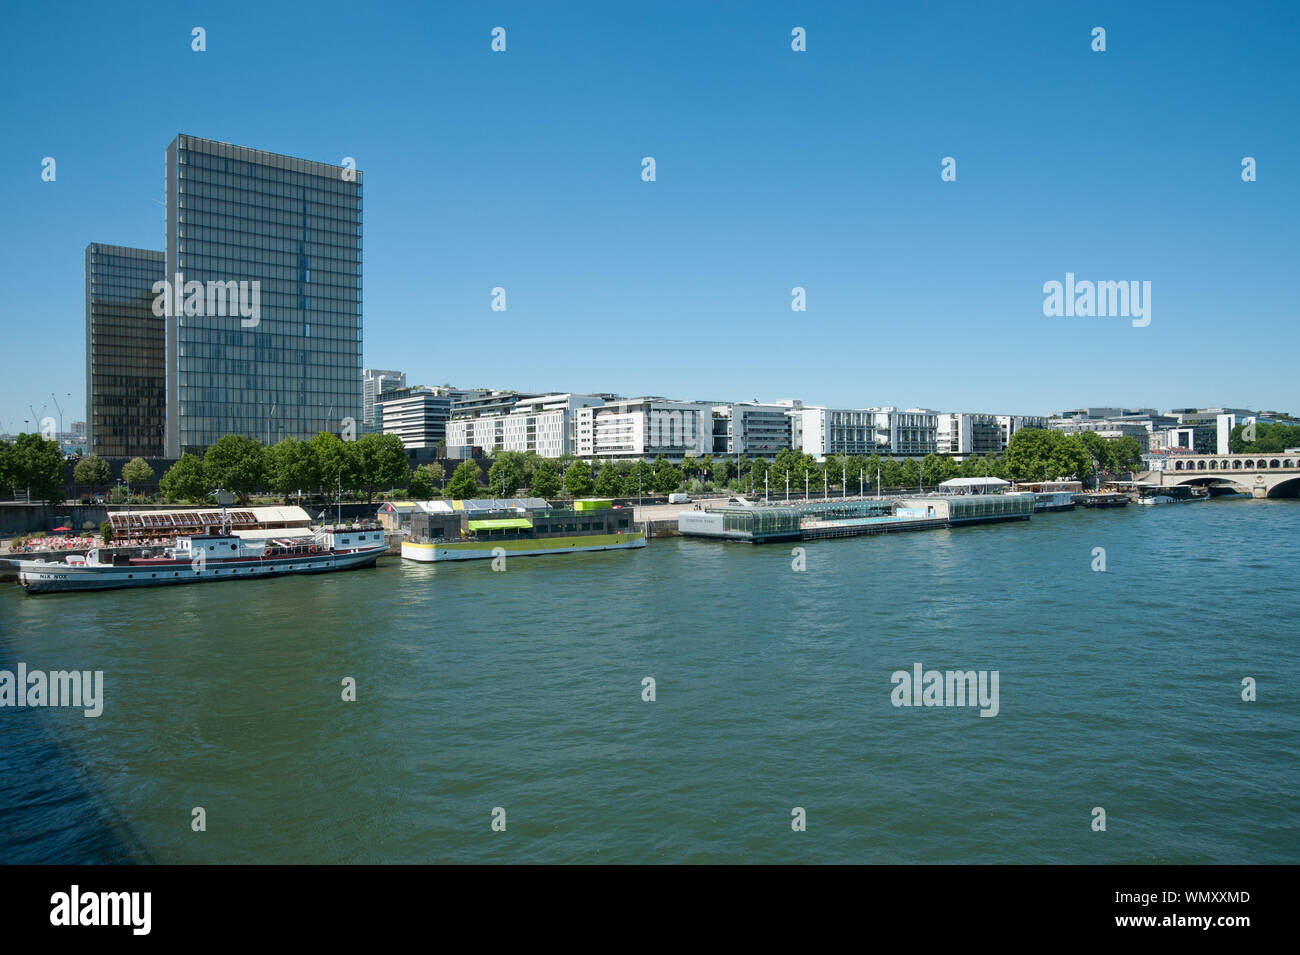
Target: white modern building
{"x":751,"y":429}
{"x":961,"y":434}
{"x":633,"y":428}
{"x":906,"y":432}
{"x":419,"y":415}
{"x":545,"y":424}
{"x":824,"y":431}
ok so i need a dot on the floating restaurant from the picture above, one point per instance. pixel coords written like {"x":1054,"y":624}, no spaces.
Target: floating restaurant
{"x":816,"y":520}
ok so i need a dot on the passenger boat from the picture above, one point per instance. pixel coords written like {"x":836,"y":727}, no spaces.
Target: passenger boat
{"x":1176,"y":494}
{"x":1053,"y":501}
{"x":521,"y":532}
{"x":198,"y":558}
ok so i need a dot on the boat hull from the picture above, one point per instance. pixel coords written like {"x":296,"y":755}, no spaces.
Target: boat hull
{"x":37,"y":577}
{"x":479,"y":550}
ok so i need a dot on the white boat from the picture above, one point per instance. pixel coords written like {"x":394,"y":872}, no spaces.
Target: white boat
{"x":198,"y":558}
{"x":1177,"y":494}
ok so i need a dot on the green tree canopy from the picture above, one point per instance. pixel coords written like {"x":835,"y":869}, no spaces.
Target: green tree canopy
{"x":426,"y":483}
{"x":577,"y":479}
{"x":137,"y":472}
{"x":235,"y":463}
{"x":36,"y":464}
{"x":639,"y":479}
{"x":92,"y":471}
{"x":1269,"y":439}
{"x":379,"y":461}
{"x":464,"y":482}
{"x":186,"y":480}
{"x":506,"y":475}
{"x":335,"y":462}
{"x":545,"y":481}
{"x":609,"y":482}
{"x":291,"y":466}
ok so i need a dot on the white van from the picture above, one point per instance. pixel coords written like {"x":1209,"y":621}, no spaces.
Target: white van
{"x":679,"y":498}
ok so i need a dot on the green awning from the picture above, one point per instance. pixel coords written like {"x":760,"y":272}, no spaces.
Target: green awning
{"x":500,"y":524}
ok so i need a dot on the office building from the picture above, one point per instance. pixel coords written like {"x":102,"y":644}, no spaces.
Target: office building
{"x":264,"y":333}
{"x":126,"y":389}
{"x":961,"y":434}
{"x":544,"y":424}
{"x":420,"y":415}
{"x":750,"y":429}
{"x":646,"y":427}
{"x":374,"y":383}
{"x":906,"y":432}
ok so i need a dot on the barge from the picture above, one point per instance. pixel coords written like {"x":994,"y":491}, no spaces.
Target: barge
{"x":521,"y":532}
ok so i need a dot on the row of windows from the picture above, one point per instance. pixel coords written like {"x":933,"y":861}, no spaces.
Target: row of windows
{"x":327,"y":245}
{"x":199,"y":163}
{"x":231,"y":247}
{"x":274,"y":198}
{"x":332,"y":230}
{"x":268,"y":284}
{"x":204,"y":198}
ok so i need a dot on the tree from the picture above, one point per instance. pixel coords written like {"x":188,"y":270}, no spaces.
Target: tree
{"x":425,"y":482}
{"x":187,"y":479}
{"x":507,"y":473}
{"x":380,"y":461}
{"x":335,"y":464}
{"x":106,"y":531}
{"x":137,"y":472}
{"x":609,"y":482}
{"x":667,"y":476}
{"x":291,"y":466}
{"x":639,"y":479}
{"x":235,"y":464}
{"x":577,"y":479}
{"x":464,"y":482}
{"x":36,"y":463}
{"x":546,"y":479}
{"x":92,"y":471}
{"x":1125,"y":453}
{"x":721,"y":471}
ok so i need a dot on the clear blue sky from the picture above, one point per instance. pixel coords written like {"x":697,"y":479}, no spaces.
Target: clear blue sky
{"x":775,"y":169}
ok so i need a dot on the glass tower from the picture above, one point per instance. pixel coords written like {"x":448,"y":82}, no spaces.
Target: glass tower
{"x":126,"y":388}
{"x":281,"y":236}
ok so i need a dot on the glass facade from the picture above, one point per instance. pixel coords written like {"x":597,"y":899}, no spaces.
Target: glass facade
{"x":292,"y":226}
{"x":126,"y":389}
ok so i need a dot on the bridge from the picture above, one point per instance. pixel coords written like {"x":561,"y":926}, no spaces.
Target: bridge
{"x":1275,"y":474}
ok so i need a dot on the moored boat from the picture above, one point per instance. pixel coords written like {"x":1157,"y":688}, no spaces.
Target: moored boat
{"x":521,"y":532}
{"x":1175,"y":494}
{"x":199,"y":558}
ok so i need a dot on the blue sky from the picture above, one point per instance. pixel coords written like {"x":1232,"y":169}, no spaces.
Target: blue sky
{"x":775,"y":169}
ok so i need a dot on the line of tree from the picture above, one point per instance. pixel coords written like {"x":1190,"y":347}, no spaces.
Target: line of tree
{"x":325,"y":465}
{"x":322,"y":466}
{"x":1269,"y":439}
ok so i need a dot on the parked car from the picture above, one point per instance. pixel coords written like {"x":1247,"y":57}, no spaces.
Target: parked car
{"x":679,"y":498}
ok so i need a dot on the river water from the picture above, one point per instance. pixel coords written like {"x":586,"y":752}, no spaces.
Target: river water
{"x":522,"y":690}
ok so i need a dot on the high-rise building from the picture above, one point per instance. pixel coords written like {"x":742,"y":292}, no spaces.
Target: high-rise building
{"x":126,"y":390}
{"x":264,"y":333}
{"x":373,"y":384}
